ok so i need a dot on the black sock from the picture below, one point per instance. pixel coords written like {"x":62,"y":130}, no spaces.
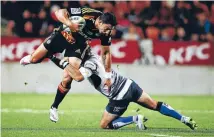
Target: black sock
{"x":59,"y":97}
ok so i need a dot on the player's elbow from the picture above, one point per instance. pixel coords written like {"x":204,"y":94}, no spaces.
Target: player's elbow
{"x":57,"y":14}
{"x":60,"y":14}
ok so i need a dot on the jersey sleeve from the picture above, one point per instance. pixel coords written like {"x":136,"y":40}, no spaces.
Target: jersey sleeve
{"x":90,"y":65}
{"x":105,"y":40}
{"x":85,"y":72}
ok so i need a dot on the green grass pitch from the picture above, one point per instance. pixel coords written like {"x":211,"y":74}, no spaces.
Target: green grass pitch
{"x":26,"y":115}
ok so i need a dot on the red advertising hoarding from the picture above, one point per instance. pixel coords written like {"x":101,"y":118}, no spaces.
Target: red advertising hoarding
{"x":185,"y":53}
{"x":172,"y":53}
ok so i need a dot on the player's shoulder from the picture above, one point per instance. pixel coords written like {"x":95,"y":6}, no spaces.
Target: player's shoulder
{"x":89,"y":13}
{"x":87,"y":10}
{"x":84,"y":11}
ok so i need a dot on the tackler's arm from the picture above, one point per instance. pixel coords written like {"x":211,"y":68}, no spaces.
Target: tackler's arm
{"x":77,"y":74}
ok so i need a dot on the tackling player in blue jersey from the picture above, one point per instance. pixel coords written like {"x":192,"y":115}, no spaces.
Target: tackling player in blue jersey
{"x":122,"y":91}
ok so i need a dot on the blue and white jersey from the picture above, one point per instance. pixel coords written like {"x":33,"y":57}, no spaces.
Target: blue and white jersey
{"x":120,"y":84}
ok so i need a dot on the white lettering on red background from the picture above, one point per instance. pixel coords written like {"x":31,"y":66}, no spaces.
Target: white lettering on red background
{"x":163,"y":53}
{"x":17,"y":50}
{"x":185,"y":54}
{"x":115,"y":49}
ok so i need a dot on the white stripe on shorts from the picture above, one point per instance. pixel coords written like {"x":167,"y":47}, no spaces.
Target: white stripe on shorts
{"x":124,"y":90}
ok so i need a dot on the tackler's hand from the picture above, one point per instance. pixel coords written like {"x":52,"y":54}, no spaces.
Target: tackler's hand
{"x":108,"y":84}
{"x":77,"y":23}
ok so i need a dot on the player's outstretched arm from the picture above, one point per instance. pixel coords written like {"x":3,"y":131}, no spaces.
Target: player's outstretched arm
{"x":77,"y":74}
{"x":106,"y":58}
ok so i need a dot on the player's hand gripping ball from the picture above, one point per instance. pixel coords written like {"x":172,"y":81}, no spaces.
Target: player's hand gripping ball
{"x":78,"y":24}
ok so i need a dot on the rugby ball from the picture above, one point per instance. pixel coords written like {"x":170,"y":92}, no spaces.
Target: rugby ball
{"x":76,"y":20}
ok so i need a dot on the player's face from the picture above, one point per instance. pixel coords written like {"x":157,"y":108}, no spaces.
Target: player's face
{"x":105,"y":29}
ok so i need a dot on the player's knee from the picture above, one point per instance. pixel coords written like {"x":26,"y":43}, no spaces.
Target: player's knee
{"x":66,"y":76}
{"x":66,"y":81}
{"x":103,"y":125}
{"x":153,"y":105}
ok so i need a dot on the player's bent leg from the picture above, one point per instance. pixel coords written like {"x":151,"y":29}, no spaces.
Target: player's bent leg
{"x":39,"y":54}
{"x":36,"y":57}
{"x":111,"y":117}
{"x":146,"y":101}
{"x":107,"y":118}
{"x":74,"y":63}
{"x":65,"y":85}
{"x":112,"y":121}
{"x":62,"y":90}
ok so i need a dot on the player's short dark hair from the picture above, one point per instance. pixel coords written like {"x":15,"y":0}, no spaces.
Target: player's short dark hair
{"x":108,"y":18}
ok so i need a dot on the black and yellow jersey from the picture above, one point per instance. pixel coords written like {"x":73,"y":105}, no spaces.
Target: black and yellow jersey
{"x":89,"y":31}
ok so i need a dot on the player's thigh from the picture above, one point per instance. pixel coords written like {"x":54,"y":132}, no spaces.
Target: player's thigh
{"x":75,"y":61}
{"x":137,"y":95}
{"x":55,"y":43}
{"x":146,"y":101}
{"x":106,"y":119}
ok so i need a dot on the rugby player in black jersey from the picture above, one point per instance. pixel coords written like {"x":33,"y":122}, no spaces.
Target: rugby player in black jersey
{"x":73,"y":38}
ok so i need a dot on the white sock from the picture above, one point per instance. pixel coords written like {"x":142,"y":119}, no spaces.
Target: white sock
{"x":135,"y":118}
{"x":27,"y":59}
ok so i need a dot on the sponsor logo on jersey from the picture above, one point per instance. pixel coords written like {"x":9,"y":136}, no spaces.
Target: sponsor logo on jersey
{"x":75,"y":11}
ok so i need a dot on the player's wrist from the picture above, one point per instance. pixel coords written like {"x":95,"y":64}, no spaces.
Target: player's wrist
{"x":68,"y":23}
